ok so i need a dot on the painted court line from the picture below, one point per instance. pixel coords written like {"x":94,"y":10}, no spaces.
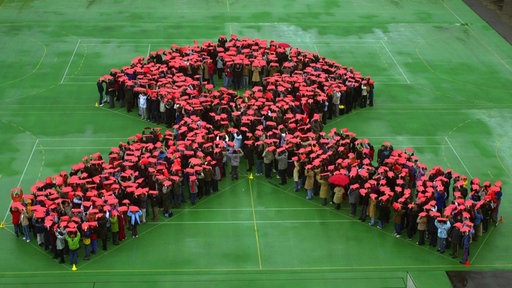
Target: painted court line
{"x":70,"y":60}
{"x":258,"y":221}
{"x":149,"y":49}
{"x":458,"y":157}
{"x":256,"y":234}
{"x":396,"y":63}
{"x":75,"y":147}
{"x":249,"y":209}
{"x":22,"y":175}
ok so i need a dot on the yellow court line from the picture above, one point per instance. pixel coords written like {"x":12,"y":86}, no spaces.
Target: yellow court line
{"x":255,"y":224}
{"x":33,"y":71}
{"x":154,"y":227}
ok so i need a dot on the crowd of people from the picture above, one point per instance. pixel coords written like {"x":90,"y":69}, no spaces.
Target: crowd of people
{"x":273,"y":127}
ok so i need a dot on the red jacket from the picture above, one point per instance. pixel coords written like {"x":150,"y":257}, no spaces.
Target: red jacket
{"x":16,"y":216}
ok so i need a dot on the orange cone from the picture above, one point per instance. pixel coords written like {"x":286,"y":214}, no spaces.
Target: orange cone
{"x":467,"y":263}
{"x":501,"y":218}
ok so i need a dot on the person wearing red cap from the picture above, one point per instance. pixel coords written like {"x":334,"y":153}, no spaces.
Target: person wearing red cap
{"x":465,"y":243}
{"x":102,"y":230}
{"x":60,"y":243}
{"x":477,"y":224}
{"x":246,"y":70}
{"x":309,"y":175}
{"x":26,"y":218}
{"x":321,"y":178}
{"x":372,"y":207}
{"x":455,"y":238}
{"x":86,"y":240}
{"x":134,"y":214}
{"x":397,"y":219}
{"x":210,"y":70}
{"x":422,"y":227}
{"x":338,"y":196}
{"x":353,"y":198}
{"x":73,"y":239}
{"x":268,"y":159}
{"x":114,"y":227}
{"x":39,"y":229}
{"x":442,"y":225}
{"x":384,"y":211}
{"x":235,"y":155}
{"x":237,"y":75}
{"x":282,"y":164}
{"x":16,"y":220}
{"x":297,"y":168}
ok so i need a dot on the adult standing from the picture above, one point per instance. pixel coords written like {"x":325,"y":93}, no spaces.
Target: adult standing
{"x":268,"y":159}
{"x":282,"y":164}
{"x":101,"y":89}
{"x":309,"y":174}
{"x":338,"y":196}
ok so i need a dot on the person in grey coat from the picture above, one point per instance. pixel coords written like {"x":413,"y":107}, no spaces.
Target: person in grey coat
{"x":60,"y":243}
{"x":282,"y":164}
{"x":235,"y":155}
{"x":353,"y":198}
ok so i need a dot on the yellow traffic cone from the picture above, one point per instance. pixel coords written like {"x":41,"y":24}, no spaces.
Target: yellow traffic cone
{"x":250,"y":176}
{"x":97,"y":104}
{"x":74,"y":268}
{"x":2,"y":225}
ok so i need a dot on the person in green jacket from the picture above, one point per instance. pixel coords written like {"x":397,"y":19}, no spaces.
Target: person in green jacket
{"x":73,"y":244}
{"x":114,"y":227}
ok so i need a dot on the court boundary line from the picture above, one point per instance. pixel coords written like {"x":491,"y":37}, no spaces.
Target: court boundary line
{"x":320,"y":268}
{"x":458,"y":157}
{"x":22,"y":176}
{"x":70,"y":61}
{"x":255,"y":223}
{"x":394,"y":60}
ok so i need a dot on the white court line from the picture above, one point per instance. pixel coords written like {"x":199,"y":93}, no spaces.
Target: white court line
{"x":22,"y":175}
{"x":78,"y":83}
{"x":394,"y":60}
{"x":84,"y":138}
{"x":252,"y":222}
{"x":75,"y":147}
{"x":117,"y":43}
{"x":70,"y":60}
{"x":249,"y":209}
{"x":82,"y":76}
{"x":457,"y":154}
{"x":453,"y":13}
{"x":149,"y":49}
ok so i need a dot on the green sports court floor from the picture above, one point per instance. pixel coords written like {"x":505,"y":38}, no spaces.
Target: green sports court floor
{"x":442,"y":87}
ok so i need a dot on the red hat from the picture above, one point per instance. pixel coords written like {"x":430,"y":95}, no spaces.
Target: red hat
{"x":134,"y":208}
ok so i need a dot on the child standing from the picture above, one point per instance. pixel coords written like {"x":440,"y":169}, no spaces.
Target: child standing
{"x":16,"y":221}
{"x":442,"y":225}
{"x":26,"y":216}
{"x":73,"y":238}
{"x":134,"y":213}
